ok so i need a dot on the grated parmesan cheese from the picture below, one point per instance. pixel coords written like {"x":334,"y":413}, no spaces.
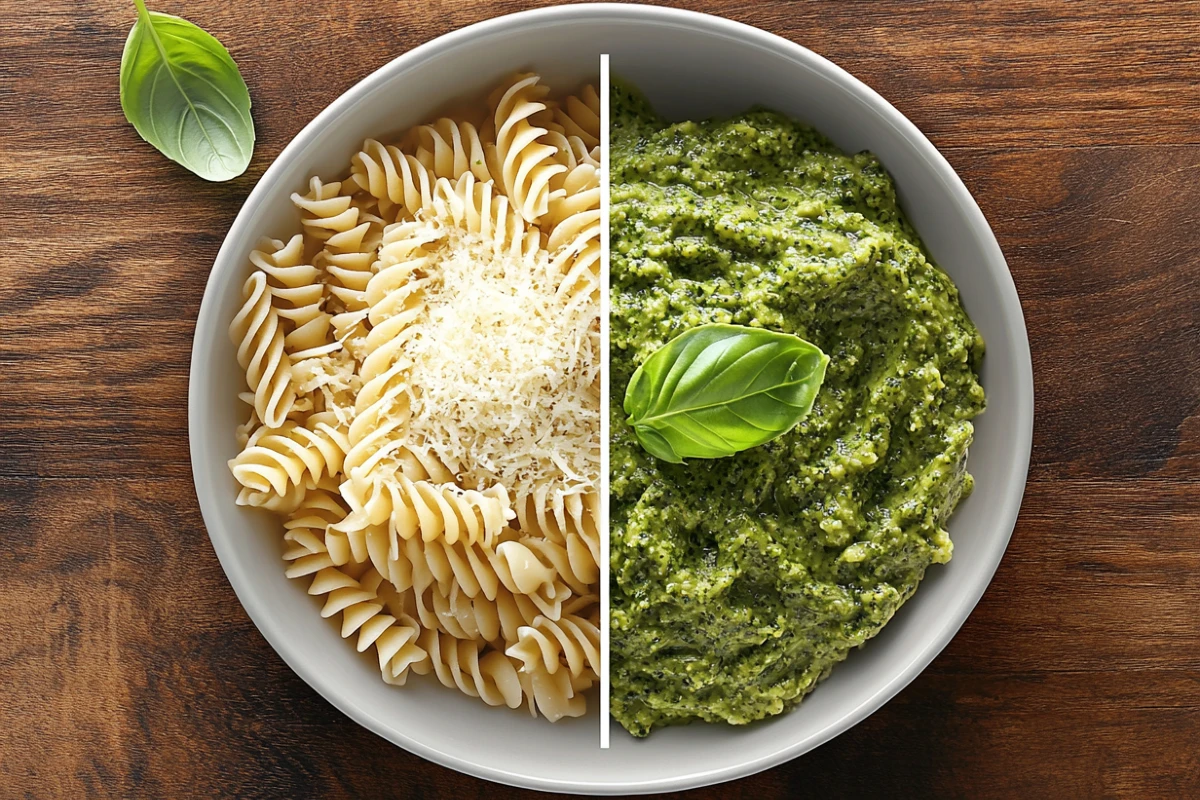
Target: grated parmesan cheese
{"x":504,"y":373}
{"x":333,"y":375}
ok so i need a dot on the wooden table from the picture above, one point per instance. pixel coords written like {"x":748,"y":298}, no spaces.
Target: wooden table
{"x":127,"y":666}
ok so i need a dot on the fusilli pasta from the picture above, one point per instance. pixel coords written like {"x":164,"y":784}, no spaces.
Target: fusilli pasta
{"x":527,"y":164}
{"x":259,"y":334}
{"x":572,"y":641}
{"x":422,"y":374}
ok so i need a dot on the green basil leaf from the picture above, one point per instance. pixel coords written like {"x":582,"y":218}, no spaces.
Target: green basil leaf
{"x":182,"y":92}
{"x":716,"y":390}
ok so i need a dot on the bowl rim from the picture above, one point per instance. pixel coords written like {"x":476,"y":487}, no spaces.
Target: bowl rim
{"x":342,"y":698}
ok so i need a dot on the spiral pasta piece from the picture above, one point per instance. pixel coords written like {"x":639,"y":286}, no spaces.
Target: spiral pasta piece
{"x":258,"y":333}
{"x":478,"y":208}
{"x":576,"y":214}
{"x":298,"y":295}
{"x":470,"y":667}
{"x":463,"y":617}
{"x":573,"y":641}
{"x":478,"y":569}
{"x":450,"y":149}
{"x":426,"y":510}
{"x":579,"y":115}
{"x":554,"y":513}
{"x":480,"y":671}
{"x":555,"y":694}
{"x":572,"y":561}
{"x":365,"y":608}
{"x":574,"y":236}
{"x":349,"y":237}
{"x":527,"y":164}
{"x":281,"y":458}
{"x":393,"y":297}
{"x":325,"y":211}
{"x":386,"y":172}
{"x":306,"y":547}
{"x":348,"y":258}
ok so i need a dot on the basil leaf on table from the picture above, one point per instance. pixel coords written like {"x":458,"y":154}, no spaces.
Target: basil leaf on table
{"x":718,"y":389}
{"x":183,"y":93}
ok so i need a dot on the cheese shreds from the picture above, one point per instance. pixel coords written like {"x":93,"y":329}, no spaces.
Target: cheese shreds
{"x":333,"y":375}
{"x":504,"y":372}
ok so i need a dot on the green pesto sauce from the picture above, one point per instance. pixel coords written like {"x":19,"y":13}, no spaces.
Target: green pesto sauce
{"x":738,"y":583}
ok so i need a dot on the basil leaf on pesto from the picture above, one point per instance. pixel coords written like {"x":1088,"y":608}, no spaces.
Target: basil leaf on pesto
{"x":717,"y":389}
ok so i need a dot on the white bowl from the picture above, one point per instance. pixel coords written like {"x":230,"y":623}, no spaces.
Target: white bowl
{"x":690,"y":65}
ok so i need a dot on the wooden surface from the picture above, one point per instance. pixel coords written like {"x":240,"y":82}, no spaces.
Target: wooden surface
{"x":127,"y":667}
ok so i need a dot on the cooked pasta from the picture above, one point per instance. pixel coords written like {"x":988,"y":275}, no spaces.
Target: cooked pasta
{"x":573,"y":561}
{"x":259,"y":335}
{"x":427,"y":510}
{"x":388,"y":174}
{"x":422,"y":372}
{"x":528,"y":164}
{"x":298,"y":296}
{"x":498,"y":679}
{"x":373,"y":610}
{"x":494,"y":621}
{"x":455,"y":148}
{"x":573,"y":642}
{"x":307,"y":549}
{"x":480,"y":570}
{"x":276,"y":459}
{"x":580,"y":116}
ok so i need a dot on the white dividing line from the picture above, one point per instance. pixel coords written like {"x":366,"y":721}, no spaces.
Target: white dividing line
{"x":604,"y":389}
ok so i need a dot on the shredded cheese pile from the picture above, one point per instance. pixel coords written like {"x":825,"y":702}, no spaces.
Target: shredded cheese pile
{"x":503,"y":379}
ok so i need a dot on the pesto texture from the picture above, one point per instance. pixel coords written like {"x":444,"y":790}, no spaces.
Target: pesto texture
{"x":739,"y":582}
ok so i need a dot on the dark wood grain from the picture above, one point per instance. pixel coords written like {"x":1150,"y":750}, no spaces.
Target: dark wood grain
{"x":127,"y":667}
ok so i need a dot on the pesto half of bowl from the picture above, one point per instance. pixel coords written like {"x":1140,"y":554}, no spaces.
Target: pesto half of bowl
{"x":738,"y":583}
